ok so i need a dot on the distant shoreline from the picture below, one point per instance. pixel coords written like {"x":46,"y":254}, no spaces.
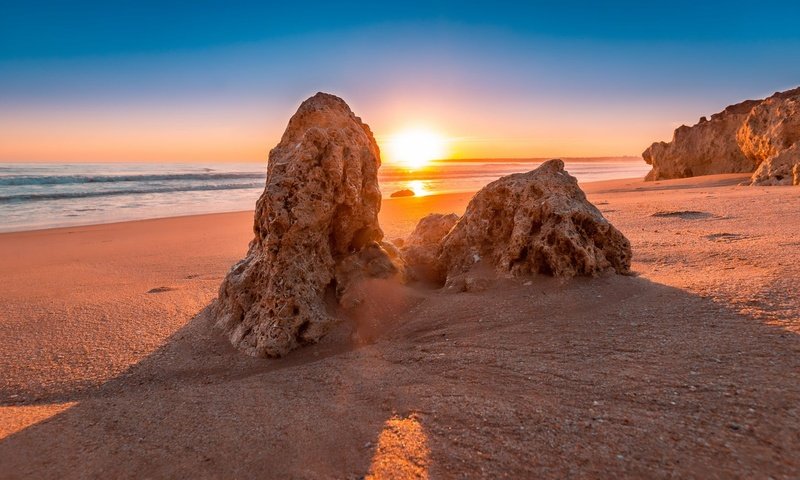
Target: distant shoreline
{"x":631,"y":158}
{"x":449,"y":201}
{"x":41,"y":196}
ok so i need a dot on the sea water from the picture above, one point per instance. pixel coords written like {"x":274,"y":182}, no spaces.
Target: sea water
{"x":36,"y":196}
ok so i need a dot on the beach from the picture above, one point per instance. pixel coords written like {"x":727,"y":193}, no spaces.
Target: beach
{"x":688,"y":368}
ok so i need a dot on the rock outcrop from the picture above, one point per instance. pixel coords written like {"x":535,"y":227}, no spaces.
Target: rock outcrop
{"x":421,"y":249}
{"x":403,"y":193}
{"x":316,"y":232}
{"x":707,"y":148}
{"x":534,"y":222}
{"x":753,"y":136}
{"x":770,"y":137}
{"x":781,"y":169}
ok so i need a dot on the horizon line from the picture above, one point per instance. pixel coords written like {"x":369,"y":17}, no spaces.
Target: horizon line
{"x":441,"y":160}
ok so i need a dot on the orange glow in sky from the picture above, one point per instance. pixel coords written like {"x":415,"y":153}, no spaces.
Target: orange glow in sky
{"x":482,"y":90}
{"x":412,"y":129}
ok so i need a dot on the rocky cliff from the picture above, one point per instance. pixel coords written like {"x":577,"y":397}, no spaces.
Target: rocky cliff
{"x":770,"y":137}
{"x":707,"y":148}
{"x":755,"y":135}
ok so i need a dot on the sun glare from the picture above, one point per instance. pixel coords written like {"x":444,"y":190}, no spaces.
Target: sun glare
{"x":418,"y":187}
{"x":415,"y":148}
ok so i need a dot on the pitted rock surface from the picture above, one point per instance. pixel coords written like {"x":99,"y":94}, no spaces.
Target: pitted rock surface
{"x":316,"y":231}
{"x":707,"y":148}
{"x":538,"y":222}
{"x":771,"y":138}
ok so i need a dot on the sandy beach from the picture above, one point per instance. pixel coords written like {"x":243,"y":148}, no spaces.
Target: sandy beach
{"x":689,"y":368}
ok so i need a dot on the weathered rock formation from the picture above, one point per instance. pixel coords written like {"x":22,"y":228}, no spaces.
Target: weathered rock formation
{"x":770,"y":137}
{"x":534,"y":222}
{"x":755,"y":135}
{"x":318,"y":248}
{"x":316,"y":232}
{"x":707,"y":148}
{"x":781,"y":169}
{"x":421,"y":248}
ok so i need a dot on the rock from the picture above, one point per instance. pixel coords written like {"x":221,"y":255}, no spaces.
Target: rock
{"x":534,"y":222}
{"x":316,"y":233}
{"x":431,"y":229}
{"x":403,"y":193}
{"x":755,"y":135}
{"x":707,"y":148}
{"x":770,"y":137}
{"x":780,"y":169}
{"x":421,"y":248}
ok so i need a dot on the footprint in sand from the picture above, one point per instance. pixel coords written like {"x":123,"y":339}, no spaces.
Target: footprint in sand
{"x":161,"y":289}
{"x":725,"y":237}
{"x":683,"y":214}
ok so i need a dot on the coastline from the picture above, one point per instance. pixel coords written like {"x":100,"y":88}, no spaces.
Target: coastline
{"x":407,"y":209}
{"x":413,"y":205}
{"x":67,"y":195}
{"x":107,"y":346}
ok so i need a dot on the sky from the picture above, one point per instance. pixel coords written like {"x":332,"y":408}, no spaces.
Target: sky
{"x":211,"y":81}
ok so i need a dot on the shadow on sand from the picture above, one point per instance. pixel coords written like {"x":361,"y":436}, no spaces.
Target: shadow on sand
{"x":604,"y":377}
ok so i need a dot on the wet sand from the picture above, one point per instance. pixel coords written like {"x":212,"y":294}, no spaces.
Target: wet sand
{"x":690,"y":368}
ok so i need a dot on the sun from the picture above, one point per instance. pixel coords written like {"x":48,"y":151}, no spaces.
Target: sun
{"x":415,"y":148}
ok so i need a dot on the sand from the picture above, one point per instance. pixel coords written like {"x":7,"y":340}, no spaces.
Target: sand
{"x":690,"y":368}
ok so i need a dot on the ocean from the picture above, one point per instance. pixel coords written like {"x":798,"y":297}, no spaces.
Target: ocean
{"x":36,"y":196}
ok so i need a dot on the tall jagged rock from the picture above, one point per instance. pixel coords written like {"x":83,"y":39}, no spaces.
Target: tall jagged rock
{"x":707,"y":148}
{"x":752,"y":136}
{"x":770,"y":136}
{"x":316,"y":231}
{"x":535,"y":222}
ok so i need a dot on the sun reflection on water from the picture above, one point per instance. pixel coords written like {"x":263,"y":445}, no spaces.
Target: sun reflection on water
{"x":419,"y":187}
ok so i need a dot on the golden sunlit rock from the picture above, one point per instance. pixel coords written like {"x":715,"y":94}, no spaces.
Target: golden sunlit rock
{"x":760,"y":136}
{"x":539,"y":222}
{"x":771,"y":138}
{"x":316,"y":230}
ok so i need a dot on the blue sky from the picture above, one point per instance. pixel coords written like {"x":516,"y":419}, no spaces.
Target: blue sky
{"x":35,"y":29}
{"x":171,"y":81}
